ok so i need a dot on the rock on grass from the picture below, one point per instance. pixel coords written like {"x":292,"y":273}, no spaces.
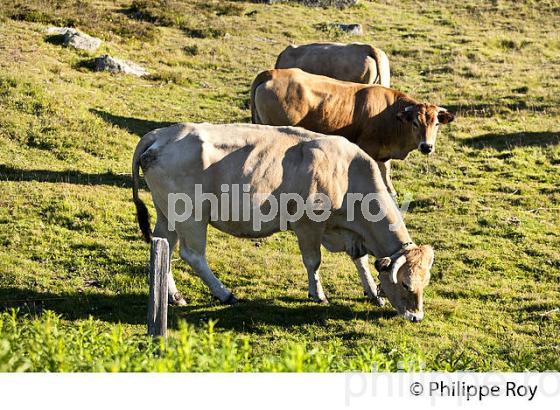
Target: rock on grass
{"x":75,"y":38}
{"x":354,"y":29}
{"x":116,"y":65}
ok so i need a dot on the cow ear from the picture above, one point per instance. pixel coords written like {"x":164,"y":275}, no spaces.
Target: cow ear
{"x":382,"y":264}
{"x":405,"y":115}
{"x":445,"y":117}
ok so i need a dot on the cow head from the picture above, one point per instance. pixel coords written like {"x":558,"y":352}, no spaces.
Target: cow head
{"x":425,"y":120}
{"x":403,"y":277}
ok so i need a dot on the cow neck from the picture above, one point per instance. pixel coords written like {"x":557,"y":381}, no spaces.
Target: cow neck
{"x":384,"y":137}
{"x":393,"y":240}
{"x":402,"y":131}
{"x":402,"y":136}
{"x":381,"y":238}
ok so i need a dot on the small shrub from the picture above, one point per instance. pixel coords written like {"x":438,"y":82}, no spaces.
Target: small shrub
{"x":191,"y":50}
{"x":77,"y":13}
{"x":341,"y":4}
{"x":174,"y":77}
{"x":159,"y":12}
{"x":56,"y":70}
{"x":178,"y":14}
{"x":521,"y":90}
{"x":222,"y":8}
{"x":207,"y":32}
{"x":508,"y":44}
{"x":28,"y":13}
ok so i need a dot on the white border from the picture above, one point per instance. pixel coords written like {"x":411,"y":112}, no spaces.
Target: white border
{"x":263,"y":391}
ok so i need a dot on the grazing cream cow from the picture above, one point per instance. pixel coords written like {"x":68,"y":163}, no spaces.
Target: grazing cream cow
{"x":384,"y":122}
{"x":271,"y":163}
{"x":355,"y":62}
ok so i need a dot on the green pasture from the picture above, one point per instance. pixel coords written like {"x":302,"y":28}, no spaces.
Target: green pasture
{"x":73,"y":282}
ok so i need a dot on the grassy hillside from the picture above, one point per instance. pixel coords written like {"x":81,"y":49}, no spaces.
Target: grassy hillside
{"x":488,"y":200}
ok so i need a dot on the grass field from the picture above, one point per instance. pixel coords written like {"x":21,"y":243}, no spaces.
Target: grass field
{"x":71,"y":259}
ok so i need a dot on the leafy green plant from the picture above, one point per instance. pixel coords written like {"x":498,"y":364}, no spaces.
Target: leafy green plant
{"x":47,"y":343}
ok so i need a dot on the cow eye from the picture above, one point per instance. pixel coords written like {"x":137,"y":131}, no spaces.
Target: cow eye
{"x":406,"y":287}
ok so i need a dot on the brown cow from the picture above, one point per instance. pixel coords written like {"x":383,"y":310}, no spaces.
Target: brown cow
{"x":384,"y":122}
{"x":356,"y":62}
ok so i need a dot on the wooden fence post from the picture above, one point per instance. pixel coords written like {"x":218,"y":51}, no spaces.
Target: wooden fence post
{"x":159,"y":271}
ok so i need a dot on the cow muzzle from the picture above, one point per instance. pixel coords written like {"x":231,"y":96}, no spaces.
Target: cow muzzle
{"x":426,"y":148}
{"x":414,"y":317}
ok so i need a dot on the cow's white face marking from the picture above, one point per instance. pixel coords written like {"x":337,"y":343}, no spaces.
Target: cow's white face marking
{"x":425,"y":127}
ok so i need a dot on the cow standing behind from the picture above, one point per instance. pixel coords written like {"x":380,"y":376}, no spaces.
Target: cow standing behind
{"x":275,"y":161}
{"x":355,"y":62}
{"x":385,"y":123}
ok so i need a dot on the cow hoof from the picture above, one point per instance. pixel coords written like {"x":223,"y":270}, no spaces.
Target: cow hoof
{"x":375,"y":299}
{"x":318,"y":300}
{"x":177,"y":300}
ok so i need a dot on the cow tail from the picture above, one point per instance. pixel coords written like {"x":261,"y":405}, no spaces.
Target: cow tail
{"x":382,"y":64}
{"x":142,"y":214}
{"x":259,"y":79}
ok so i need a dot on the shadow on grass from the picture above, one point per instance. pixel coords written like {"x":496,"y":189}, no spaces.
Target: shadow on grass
{"x":246,"y":316}
{"x":56,"y":39}
{"x":252,"y":315}
{"x":503,"y":142}
{"x":87,"y":64}
{"x":136,"y":126}
{"x":8,"y":173}
{"x":125,"y":308}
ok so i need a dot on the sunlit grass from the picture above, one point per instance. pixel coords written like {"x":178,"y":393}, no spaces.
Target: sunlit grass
{"x":488,"y":200}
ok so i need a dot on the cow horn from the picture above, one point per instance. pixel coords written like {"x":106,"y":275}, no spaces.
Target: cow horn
{"x":441,"y":109}
{"x":400,"y":261}
{"x":409,"y":108}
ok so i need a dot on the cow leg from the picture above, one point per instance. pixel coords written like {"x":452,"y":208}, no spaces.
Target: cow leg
{"x":370,"y":288}
{"x":193,"y":251}
{"x":385,"y":168}
{"x":161,"y":231}
{"x":309,"y":241}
